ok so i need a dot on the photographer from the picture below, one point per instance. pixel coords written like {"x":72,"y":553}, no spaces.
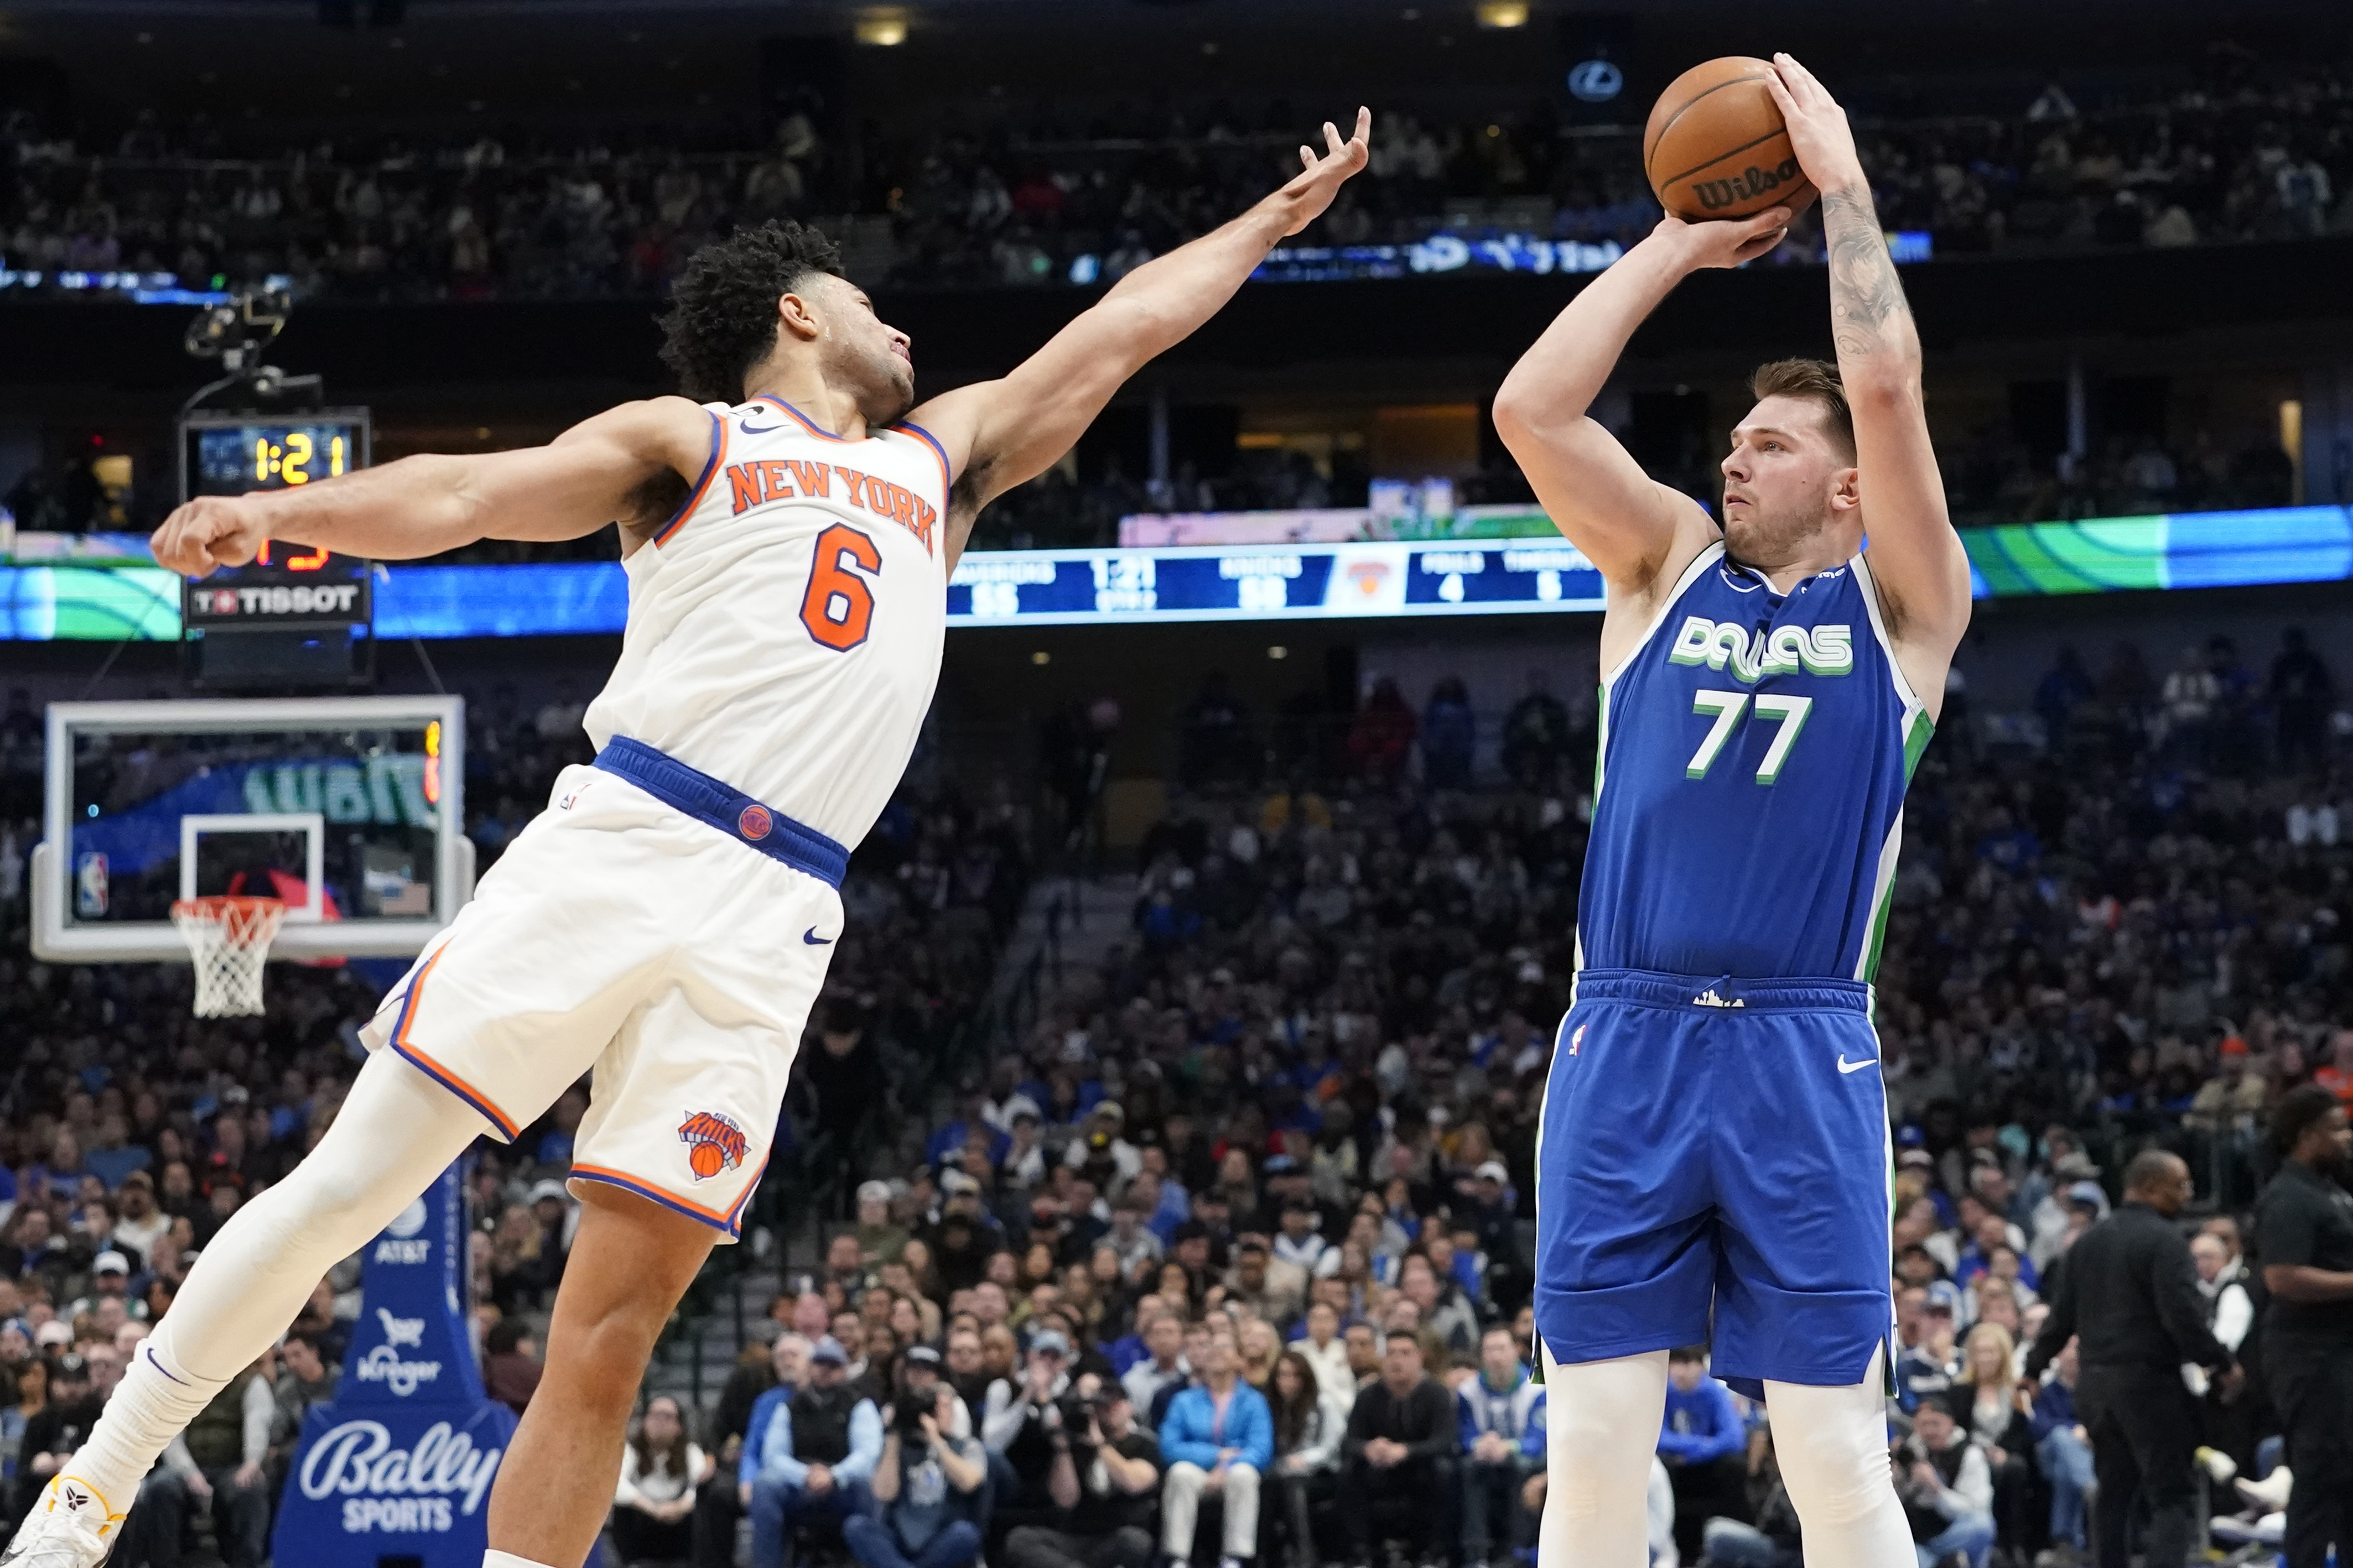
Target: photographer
{"x":1106,"y":1477}
{"x":926,"y":1489}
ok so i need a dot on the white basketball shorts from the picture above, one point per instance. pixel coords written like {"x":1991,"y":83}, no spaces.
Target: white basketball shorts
{"x":622,"y":936}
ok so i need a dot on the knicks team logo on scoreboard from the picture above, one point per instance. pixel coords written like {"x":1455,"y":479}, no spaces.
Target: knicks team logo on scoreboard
{"x":713,"y":1143}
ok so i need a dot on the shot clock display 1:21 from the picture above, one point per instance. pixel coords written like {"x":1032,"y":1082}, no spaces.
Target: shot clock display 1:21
{"x":229,"y":455}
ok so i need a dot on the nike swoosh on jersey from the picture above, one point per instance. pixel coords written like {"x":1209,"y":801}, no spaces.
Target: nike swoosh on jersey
{"x":810,"y":937}
{"x":1846,"y":1066}
{"x":758,"y":429}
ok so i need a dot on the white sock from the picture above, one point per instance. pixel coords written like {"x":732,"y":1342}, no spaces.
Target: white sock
{"x":398,"y":1131}
{"x":508,"y":1560}
{"x":1601,"y":1428}
{"x":1833,"y":1447}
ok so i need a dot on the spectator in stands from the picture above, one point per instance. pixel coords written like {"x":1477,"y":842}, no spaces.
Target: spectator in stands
{"x":1310,"y":1423}
{"x":511,"y":1369}
{"x":2063,"y":1451}
{"x":811,"y":1457}
{"x":654,"y":1501}
{"x":928,"y":1488}
{"x":1019,"y":1421}
{"x":2000,"y":1415}
{"x":1945,"y":1486}
{"x":1702,"y":1442}
{"x":1217,"y":1441}
{"x":1498,"y":1406}
{"x":1403,"y":1436}
{"x":1105,"y":1485}
{"x":305,"y":1380}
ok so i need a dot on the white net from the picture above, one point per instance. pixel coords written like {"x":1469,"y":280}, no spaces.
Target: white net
{"x":229,"y":940}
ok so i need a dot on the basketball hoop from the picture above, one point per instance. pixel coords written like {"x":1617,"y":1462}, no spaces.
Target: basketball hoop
{"x":228,"y":938}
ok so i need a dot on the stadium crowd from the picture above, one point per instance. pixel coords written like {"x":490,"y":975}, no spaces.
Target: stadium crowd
{"x":130,"y":1131}
{"x":1224,"y":1258}
{"x":1047,"y":198}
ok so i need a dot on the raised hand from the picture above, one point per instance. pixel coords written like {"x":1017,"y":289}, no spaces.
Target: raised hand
{"x":1819,"y":133}
{"x":208,"y":533}
{"x":1726,"y":242}
{"x":1312,"y":189}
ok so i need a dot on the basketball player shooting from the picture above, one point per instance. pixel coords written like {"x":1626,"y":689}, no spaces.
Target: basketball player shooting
{"x":1714,"y":1146}
{"x":787,"y":529}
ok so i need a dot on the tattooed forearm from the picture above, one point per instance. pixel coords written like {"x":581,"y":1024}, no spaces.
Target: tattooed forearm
{"x":1869,"y":316}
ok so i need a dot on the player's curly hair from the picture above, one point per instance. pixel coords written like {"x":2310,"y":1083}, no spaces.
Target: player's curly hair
{"x":722,"y":316}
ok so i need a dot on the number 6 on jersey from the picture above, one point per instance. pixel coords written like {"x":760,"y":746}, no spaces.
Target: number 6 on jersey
{"x":838,"y":607}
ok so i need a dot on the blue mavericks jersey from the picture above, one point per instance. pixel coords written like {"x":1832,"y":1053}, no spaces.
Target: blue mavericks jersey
{"x":1748,"y":794}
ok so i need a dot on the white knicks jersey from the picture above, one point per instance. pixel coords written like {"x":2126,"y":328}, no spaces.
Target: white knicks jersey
{"x":784,"y":627}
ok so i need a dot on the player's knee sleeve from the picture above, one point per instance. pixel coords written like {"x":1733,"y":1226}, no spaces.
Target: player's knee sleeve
{"x":1832,"y":1444}
{"x":1602,"y":1422}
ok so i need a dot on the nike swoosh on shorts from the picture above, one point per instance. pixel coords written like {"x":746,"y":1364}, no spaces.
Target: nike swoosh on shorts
{"x":1846,"y":1066}
{"x":810,"y":937}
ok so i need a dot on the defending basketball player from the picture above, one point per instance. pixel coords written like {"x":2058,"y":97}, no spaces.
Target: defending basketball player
{"x":1713,"y":1154}
{"x":787,"y":528}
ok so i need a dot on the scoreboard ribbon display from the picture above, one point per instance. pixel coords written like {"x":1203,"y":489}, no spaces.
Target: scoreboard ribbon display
{"x":1209,"y":583}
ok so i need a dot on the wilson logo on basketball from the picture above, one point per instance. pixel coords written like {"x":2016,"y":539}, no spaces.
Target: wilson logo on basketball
{"x":713,"y":1143}
{"x":754,"y":823}
{"x":1750,"y":183}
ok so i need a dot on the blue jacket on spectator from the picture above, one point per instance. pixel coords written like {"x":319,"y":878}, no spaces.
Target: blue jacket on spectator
{"x":1510,"y":1413}
{"x":1703,"y":1426}
{"x":1189,"y":1434}
{"x":768,"y":1442}
{"x":2055,"y":1407}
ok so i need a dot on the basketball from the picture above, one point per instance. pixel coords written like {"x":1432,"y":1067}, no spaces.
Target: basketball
{"x":705,"y":1160}
{"x":1715,"y":147}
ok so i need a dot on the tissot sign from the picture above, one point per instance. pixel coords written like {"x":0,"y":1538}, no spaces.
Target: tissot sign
{"x":400,"y":1465}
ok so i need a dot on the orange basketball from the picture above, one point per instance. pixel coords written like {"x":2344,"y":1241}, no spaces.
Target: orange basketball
{"x":1715,"y":146}
{"x":705,"y":1159}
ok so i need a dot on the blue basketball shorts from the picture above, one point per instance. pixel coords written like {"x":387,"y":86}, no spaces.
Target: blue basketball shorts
{"x":1713,"y":1167}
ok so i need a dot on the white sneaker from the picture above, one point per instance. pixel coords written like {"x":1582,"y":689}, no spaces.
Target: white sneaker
{"x":70,"y":1527}
{"x":2270,"y":1493}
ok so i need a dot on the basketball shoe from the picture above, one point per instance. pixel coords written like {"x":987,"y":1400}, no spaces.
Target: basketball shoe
{"x":68,"y":1528}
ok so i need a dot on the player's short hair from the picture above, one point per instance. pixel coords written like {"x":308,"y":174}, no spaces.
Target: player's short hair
{"x":2298,"y":1112}
{"x":722,"y":316}
{"x":1815,"y":380}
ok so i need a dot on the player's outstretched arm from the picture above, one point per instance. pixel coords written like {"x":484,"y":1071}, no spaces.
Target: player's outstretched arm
{"x":1916,"y":558}
{"x":1628,"y":525}
{"x":998,"y":433}
{"x":634,"y":464}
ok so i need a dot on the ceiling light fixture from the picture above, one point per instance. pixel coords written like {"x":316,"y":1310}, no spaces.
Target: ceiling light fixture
{"x":885,"y":26}
{"x":1503,"y":13}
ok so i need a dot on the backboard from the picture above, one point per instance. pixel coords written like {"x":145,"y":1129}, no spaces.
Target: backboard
{"x":351,"y":809}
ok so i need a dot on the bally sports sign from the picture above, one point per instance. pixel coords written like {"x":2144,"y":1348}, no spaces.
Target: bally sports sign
{"x":401,"y":1465}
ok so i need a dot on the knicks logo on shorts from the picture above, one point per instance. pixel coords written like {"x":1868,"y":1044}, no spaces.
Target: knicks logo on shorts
{"x":713,"y":1143}
{"x":754,"y":823}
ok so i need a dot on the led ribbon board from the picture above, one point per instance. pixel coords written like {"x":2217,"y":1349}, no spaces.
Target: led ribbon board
{"x":65,"y":600}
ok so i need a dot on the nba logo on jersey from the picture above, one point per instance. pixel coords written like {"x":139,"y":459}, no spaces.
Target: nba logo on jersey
{"x":713,"y":1143}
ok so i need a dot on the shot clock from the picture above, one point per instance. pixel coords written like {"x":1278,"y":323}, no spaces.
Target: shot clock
{"x":296,"y":618}
{"x":229,"y":454}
